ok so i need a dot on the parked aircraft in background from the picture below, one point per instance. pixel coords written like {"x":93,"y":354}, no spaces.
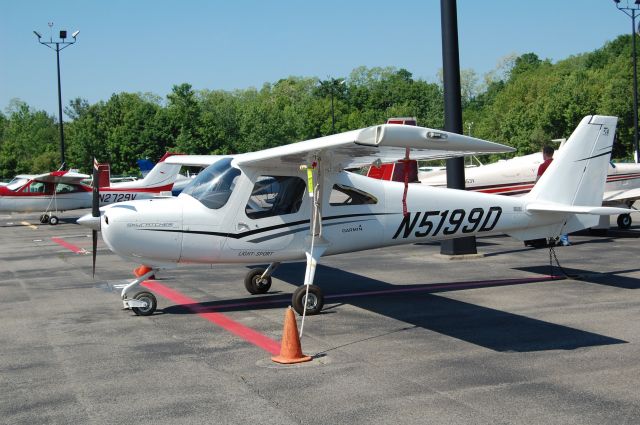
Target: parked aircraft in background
{"x":251,"y":208}
{"x":59,"y":191}
{"x":517,"y":176}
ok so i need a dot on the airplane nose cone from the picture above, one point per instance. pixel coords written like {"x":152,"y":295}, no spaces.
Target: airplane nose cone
{"x":89,"y":221}
{"x":146,"y":231}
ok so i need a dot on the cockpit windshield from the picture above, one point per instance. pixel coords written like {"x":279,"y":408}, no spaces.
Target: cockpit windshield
{"x":214,"y":184}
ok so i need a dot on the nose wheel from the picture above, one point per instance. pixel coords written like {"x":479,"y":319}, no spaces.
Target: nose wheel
{"x":143,"y":304}
{"x":314,"y":301}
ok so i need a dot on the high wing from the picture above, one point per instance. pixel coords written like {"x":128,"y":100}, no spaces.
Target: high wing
{"x":69,"y":177}
{"x":386,"y":143}
{"x":622,"y":195}
{"x":194,"y":160}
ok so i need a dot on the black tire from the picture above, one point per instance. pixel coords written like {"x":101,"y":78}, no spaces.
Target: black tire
{"x":44,"y":219}
{"x":254,"y":284}
{"x":151,"y":301}
{"x":624,"y":221}
{"x":316,"y":300}
{"x":53,"y":220}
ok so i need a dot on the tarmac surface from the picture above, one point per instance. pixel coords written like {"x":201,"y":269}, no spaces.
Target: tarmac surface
{"x":406,"y":337}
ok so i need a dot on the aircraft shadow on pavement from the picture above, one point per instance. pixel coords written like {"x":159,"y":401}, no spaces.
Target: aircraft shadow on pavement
{"x":614,"y":278}
{"x":487,"y":327}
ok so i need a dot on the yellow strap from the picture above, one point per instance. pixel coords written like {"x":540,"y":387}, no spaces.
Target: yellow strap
{"x":310,"y":181}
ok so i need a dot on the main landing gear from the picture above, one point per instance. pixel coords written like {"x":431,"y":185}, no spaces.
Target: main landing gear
{"x":624,"y":221}
{"x":52,"y":220}
{"x":258,"y":281}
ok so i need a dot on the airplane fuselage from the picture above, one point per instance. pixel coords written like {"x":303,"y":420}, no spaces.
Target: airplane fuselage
{"x":161,"y":232}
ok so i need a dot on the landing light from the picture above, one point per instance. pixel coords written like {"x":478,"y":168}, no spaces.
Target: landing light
{"x":436,"y":135}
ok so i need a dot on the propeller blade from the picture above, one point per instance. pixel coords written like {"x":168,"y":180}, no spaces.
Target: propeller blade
{"x":94,"y":235}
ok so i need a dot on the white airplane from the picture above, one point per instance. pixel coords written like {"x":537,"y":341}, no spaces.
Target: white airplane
{"x":252,"y":208}
{"x":517,"y":176}
{"x":64,"y":190}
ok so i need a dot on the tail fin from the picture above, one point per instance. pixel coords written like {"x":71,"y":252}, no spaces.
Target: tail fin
{"x":578,"y":172}
{"x":145,"y":165}
{"x":162,"y":174}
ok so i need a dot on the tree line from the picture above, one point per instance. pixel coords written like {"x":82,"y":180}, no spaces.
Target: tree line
{"x":525,"y":102}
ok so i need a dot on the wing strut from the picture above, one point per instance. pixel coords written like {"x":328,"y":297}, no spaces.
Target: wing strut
{"x":318,"y":245}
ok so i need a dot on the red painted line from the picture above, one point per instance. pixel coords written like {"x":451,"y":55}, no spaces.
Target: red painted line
{"x":219,"y":319}
{"x":69,"y":246}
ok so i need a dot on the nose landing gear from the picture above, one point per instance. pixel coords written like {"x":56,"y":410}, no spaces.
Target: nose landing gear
{"x":142,"y":303}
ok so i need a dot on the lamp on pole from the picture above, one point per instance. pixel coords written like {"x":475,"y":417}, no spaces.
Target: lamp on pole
{"x":331,"y":84}
{"x":631,"y":10}
{"x":58,"y":45}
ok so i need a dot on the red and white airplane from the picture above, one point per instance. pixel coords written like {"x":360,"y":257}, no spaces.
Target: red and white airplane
{"x":59,"y":191}
{"x":517,"y":176}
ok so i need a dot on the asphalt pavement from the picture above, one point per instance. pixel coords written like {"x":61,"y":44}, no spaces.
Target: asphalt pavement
{"x":406,"y":337}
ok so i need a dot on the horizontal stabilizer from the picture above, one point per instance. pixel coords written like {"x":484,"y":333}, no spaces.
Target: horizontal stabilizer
{"x":622,"y":195}
{"x":576,"y":209}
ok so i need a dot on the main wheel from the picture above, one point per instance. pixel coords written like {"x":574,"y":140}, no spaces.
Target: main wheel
{"x":151,"y":301}
{"x":315,"y":301}
{"x":53,"y":220}
{"x":624,"y":221}
{"x":255,"y":284}
{"x":44,"y":219}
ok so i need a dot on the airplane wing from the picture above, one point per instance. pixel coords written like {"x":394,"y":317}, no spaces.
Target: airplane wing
{"x":194,"y":160}
{"x":621,"y":195}
{"x":386,"y":143}
{"x":70,"y":177}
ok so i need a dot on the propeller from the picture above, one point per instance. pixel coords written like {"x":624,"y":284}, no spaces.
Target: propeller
{"x":95,"y":210}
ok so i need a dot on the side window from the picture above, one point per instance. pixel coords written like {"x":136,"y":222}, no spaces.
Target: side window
{"x":38,"y":187}
{"x":66,"y":188}
{"x":275,"y":195}
{"x":347,"y":195}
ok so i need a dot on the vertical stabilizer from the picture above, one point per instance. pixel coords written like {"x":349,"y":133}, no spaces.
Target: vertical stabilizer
{"x":579,"y":170}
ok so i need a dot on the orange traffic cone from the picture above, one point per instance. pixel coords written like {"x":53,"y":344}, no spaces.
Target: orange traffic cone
{"x":290,"y":350}
{"x":143,"y":270}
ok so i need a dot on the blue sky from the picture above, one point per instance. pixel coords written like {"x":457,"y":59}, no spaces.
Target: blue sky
{"x":148,"y":46}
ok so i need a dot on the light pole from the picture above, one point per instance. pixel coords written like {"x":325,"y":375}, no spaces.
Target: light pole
{"x":59,"y":45}
{"x":331,"y":85}
{"x":631,"y":10}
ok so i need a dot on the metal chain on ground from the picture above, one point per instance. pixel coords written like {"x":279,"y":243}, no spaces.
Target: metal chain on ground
{"x":552,"y":257}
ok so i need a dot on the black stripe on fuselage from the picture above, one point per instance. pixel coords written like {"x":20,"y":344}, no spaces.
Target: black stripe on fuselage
{"x":268,"y":229}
